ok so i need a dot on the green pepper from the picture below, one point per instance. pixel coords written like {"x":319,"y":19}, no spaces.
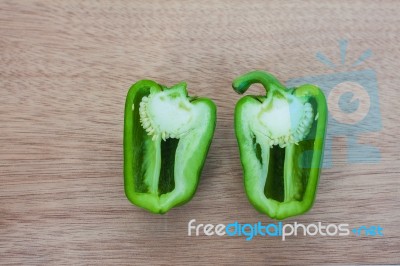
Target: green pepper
{"x":281,"y":141}
{"x":167,"y":135}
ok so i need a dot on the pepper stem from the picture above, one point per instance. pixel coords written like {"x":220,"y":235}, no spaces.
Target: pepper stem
{"x":269,"y":82}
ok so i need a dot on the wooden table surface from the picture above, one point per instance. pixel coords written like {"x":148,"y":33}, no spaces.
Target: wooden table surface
{"x":65,"y":68}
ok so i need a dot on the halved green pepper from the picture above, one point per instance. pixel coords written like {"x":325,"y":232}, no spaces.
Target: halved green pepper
{"x":166,"y":140}
{"x":281,"y":140}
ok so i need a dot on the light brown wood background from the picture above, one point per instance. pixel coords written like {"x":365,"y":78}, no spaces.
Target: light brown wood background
{"x":65,"y":68}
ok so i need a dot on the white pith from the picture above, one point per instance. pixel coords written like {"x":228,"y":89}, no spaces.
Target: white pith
{"x":283,"y":120}
{"x":163,"y":116}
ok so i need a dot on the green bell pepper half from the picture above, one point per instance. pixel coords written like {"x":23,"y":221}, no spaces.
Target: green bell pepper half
{"x":167,"y":135}
{"x":281,"y":141}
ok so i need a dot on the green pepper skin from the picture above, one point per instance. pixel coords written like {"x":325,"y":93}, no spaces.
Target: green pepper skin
{"x":279,"y":182}
{"x":162,"y":174}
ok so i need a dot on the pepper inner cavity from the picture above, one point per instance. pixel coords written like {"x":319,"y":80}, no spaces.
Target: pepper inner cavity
{"x":167,"y":182}
{"x":166,"y":116}
{"x":283,"y":123}
{"x":274,"y":185}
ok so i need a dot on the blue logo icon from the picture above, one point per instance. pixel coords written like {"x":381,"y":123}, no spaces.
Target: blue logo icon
{"x":353,"y":105}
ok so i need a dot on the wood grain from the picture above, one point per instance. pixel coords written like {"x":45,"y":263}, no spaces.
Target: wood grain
{"x":65,"y":68}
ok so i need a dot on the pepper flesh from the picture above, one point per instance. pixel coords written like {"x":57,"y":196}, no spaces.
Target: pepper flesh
{"x":281,"y":141}
{"x":166,"y":140}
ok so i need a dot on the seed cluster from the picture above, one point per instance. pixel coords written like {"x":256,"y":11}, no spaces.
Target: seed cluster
{"x":295,"y":135}
{"x":151,"y":126}
{"x":146,"y":122}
